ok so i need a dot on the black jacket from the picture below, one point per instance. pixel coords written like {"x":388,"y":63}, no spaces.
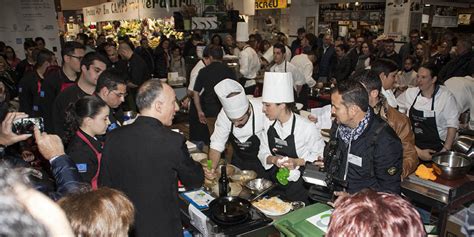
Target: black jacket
{"x":137,"y":70}
{"x":83,"y":156}
{"x":386,"y":164}
{"x":342,"y":70}
{"x":31,"y":101}
{"x":458,"y":67}
{"x":145,"y":160}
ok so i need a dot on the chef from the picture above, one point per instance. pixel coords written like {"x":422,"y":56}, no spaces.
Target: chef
{"x":241,"y":123}
{"x":249,"y":61}
{"x":290,"y":140}
{"x":433,"y":113}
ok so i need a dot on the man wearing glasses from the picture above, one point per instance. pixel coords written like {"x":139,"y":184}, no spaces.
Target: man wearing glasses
{"x":112,"y":89}
{"x":56,"y":82}
{"x":92,"y":65}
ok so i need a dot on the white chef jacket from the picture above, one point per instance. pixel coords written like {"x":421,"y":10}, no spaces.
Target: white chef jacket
{"x":462,"y":89}
{"x":303,"y":63}
{"x":249,"y":63}
{"x":308,"y":141}
{"x":446,"y":110}
{"x":194,"y":73}
{"x":298,"y":78}
{"x":223,"y":126}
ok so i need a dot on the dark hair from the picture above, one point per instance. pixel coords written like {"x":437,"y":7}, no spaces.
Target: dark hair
{"x":389,"y":41}
{"x":216,"y":36}
{"x":301,"y":30}
{"x":89,"y":59}
{"x":70,"y":47}
{"x":411,"y":57}
{"x":384,"y":65}
{"x":311,"y":39}
{"x":40,"y":39}
{"x":369,"y":79}
{"x":343,"y":47}
{"x":110,"y":79}
{"x":280,"y":46}
{"x":205,"y":52}
{"x":307,"y":50}
{"x":290,"y":106}
{"x":215,"y":52}
{"x":434,"y":70}
{"x":353,"y":93}
{"x":82,"y":37}
{"x":43,"y":56}
{"x":163,"y":41}
{"x":29,"y":44}
{"x":9,"y":47}
{"x":147,"y":93}
{"x":85,"y":107}
{"x":414,"y":31}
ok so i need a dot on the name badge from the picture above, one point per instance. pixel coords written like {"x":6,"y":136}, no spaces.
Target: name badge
{"x":428,"y":114}
{"x":41,"y":93}
{"x":356,"y":160}
{"x":280,"y":142}
{"x":81,"y":167}
{"x":35,"y":108}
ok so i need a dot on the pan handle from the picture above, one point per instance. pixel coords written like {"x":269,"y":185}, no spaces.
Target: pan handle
{"x":263,"y":192}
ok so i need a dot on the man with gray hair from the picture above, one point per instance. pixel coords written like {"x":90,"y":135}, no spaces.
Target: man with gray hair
{"x":145,"y":160}
{"x":461,"y":65}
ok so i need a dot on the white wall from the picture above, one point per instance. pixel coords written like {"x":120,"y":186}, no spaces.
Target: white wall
{"x":79,"y":4}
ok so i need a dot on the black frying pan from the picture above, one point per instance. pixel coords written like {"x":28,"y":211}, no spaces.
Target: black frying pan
{"x":229,"y":209}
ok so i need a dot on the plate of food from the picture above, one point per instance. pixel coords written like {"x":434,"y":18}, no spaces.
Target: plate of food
{"x":273,"y":206}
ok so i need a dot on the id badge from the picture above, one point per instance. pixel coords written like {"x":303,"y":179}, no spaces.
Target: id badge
{"x":41,"y":94}
{"x":280,"y":142}
{"x":428,"y":113}
{"x":353,"y":159}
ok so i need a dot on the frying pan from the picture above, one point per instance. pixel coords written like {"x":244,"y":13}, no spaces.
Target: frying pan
{"x":229,"y":209}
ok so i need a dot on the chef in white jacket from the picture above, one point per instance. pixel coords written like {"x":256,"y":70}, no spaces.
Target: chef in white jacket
{"x":249,"y":62}
{"x":290,"y":140}
{"x":241,"y":123}
{"x":282,"y":65}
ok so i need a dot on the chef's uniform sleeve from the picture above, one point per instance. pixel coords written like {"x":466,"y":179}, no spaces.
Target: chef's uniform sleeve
{"x":221,"y":132}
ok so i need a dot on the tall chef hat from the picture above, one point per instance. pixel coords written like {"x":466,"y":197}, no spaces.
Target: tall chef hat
{"x":278,"y":87}
{"x":268,"y":55}
{"x":242,"y":32}
{"x":232,"y":97}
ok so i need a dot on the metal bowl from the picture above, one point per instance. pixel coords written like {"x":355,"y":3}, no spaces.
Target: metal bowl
{"x":451,"y":165}
{"x":258,"y":185}
{"x":244,"y":176}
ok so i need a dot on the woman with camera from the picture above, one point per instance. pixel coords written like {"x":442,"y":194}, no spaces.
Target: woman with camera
{"x":85,"y":120}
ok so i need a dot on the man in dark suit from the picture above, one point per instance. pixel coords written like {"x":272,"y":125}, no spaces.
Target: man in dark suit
{"x":326,"y":58}
{"x":146,"y":159}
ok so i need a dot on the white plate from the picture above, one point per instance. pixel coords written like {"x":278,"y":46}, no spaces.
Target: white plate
{"x":273,"y":212}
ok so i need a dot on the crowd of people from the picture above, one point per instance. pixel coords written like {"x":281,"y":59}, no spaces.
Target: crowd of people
{"x":392,"y":109}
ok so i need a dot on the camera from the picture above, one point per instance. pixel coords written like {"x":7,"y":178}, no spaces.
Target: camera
{"x":27,"y":125}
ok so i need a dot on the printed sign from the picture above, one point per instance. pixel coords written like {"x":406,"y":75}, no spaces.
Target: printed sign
{"x":270,"y":4}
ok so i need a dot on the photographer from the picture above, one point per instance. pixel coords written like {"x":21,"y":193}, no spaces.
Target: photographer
{"x":50,"y":146}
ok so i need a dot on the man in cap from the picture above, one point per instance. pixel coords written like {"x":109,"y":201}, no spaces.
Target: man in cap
{"x":249,"y":61}
{"x":289,"y":140}
{"x":241,"y":122}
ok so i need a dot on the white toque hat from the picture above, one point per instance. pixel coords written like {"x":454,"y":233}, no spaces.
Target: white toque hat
{"x":242,"y":32}
{"x":268,"y":55}
{"x":278,"y":87}
{"x":235,"y":106}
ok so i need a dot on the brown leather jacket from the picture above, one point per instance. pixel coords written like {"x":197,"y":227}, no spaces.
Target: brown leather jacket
{"x":400,"y":123}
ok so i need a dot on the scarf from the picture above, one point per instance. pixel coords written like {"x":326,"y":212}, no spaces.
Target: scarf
{"x":348,"y":134}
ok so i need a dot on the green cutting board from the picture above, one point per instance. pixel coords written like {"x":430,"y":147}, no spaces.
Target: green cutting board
{"x":294,"y":224}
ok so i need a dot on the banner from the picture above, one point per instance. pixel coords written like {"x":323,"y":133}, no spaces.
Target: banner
{"x":27,"y":19}
{"x":270,"y":4}
{"x":132,"y":9}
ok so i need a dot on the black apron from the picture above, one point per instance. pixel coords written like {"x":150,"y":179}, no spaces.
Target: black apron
{"x":245,"y":155}
{"x":293,"y":191}
{"x":424,"y":126}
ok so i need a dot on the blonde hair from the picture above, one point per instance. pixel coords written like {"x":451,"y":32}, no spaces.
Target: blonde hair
{"x":375,"y":214}
{"x":99,"y":213}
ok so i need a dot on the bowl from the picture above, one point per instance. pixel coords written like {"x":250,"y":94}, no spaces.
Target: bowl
{"x":258,"y":185}
{"x":244,"y":176}
{"x":199,"y":156}
{"x":235,"y":189}
{"x":451,"y":165}
{"x":231,"y":170}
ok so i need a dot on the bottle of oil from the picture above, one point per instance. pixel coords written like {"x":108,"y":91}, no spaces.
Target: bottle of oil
{"x":223,"y":182}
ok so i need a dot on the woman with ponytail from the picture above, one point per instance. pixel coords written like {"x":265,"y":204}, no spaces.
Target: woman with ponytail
{"x":85,"y":120}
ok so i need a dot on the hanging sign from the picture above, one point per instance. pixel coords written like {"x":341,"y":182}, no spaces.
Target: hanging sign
{"x":270,"y":4}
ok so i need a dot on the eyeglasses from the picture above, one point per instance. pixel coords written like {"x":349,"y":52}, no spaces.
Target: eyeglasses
{"x":74,"y":56}
{"x":118,"y":94}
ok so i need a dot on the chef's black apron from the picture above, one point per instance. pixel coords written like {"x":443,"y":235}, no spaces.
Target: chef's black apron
{"x":245,"y":153}
{"x":424,"y":126}
{"x":293,"y":191}
{"x":251,"y":89}
{"x":197,"y":130}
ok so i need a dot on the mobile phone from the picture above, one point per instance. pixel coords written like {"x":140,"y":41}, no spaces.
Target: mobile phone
{"x":27,"y":125}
